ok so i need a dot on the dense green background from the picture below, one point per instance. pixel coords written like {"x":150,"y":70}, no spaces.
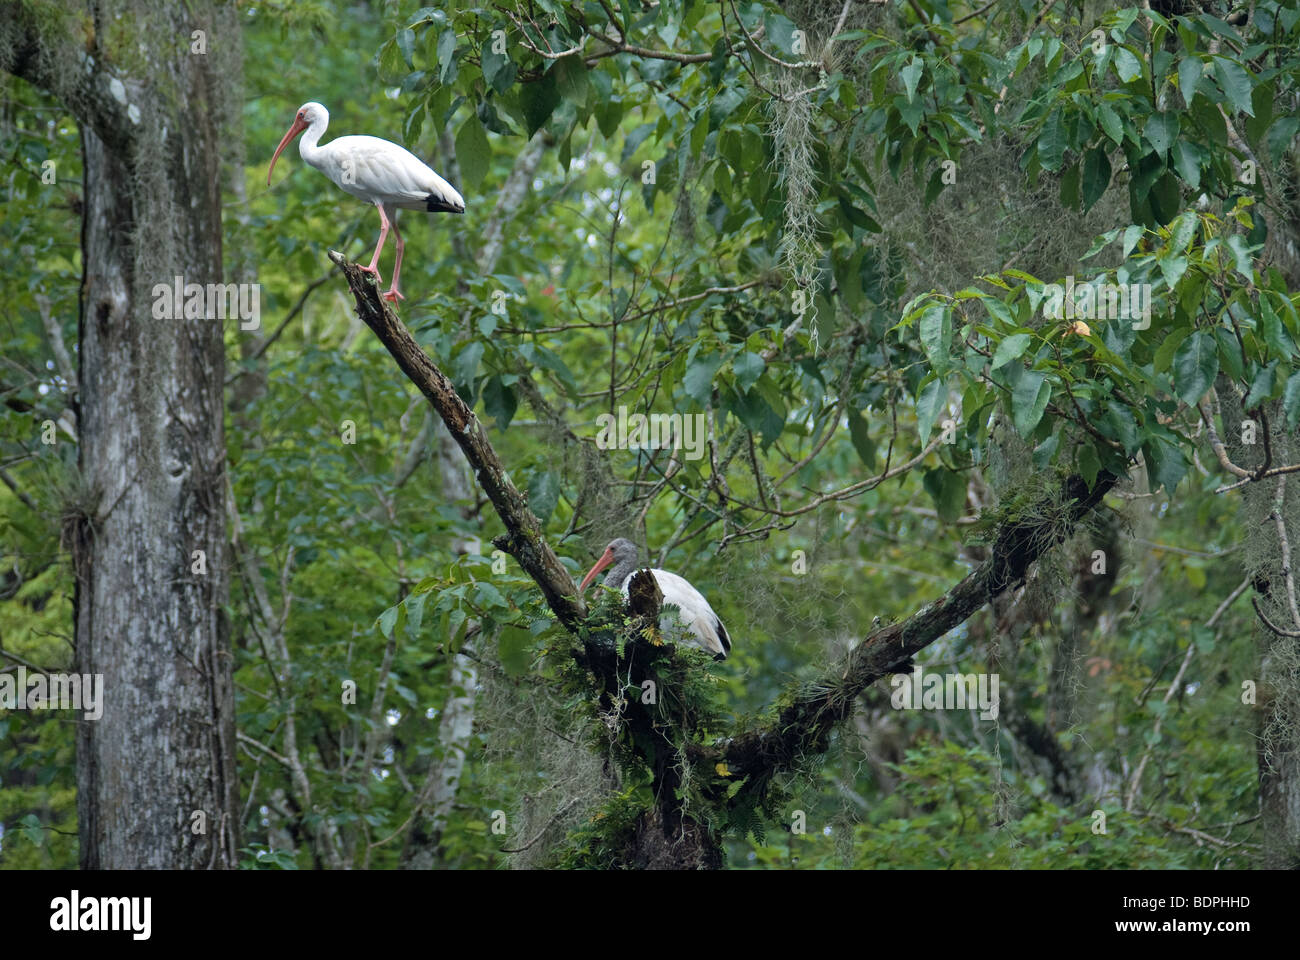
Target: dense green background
{"x":926,"y":306}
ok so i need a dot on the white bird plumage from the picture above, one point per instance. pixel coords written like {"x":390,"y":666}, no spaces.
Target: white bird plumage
{"x":378,"y":171}
{"x":693,"y":610}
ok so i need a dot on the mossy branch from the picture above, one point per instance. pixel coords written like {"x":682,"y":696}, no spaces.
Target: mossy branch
{"x":598,"y":654}
{"x":37,"y":43}
{"x":804,"y":727}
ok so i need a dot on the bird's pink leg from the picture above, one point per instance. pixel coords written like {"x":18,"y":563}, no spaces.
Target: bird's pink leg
{"x":392,"y":292}
{"x":383,"y":235}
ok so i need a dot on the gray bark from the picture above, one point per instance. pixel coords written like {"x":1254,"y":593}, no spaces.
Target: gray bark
{"x":156,"y":774}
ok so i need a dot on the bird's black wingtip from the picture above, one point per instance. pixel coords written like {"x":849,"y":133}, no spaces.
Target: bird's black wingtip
{"x":725,"y":641}
{"x":436,"y":204}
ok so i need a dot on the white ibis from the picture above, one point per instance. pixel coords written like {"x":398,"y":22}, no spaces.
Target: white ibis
{"x":377,"y":171}
{"x":695,"y":611}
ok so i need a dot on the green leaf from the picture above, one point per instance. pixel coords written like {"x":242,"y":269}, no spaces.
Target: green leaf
{"x":1261,"y":99}
{"x":406,"y":44}
{"x":1235,"y":82}
{"x":415,"y":613}
{"x":1172,"y":268}
{"x":488,"y":596}
{"x":1275,"y":333}
{"x":1210,"y":119}
{"x":698,"y":381}
{"x":1280,"y":135}
{"x":543,"y":494}
{"x":1120,"y":419}
{"x":387,"y":620}
{"x":389,"y":61}
{"x":1166,"y":465}
{"x":414,"y":124}
{"x":447,"y":56}
{"x":1070,"y":187}
{"x":759,"y":416}
{"x":781,"y":30}
{"x":748,"y":367}
{"x":1045,"y":451}
{"x":1110,"y":123}
{"x":535,"y":353}
{"x":1010,"y":349}
{"x":700,"y":133}
{"x":1127,"y":67}
{"x":1291,"y":400}
{"x":1132,"y":234}
{"x":464,"y":368}
{"x":499,"y":402}
{"x":1261,"y":388}
{"x":1051,"y":142}
{"x":539,"y":101}
{"x":1162,"y":130}
{"x":932,"y":401}
{"x":1244,"y":261}
{"x":1099,"y":243}
{"x":1089,"y":464}
{"x":936,"y":336}
{"x":935,"y":186}
{"x":1164,"y":357}
{"x":498,"y":69}
{"x":1229,"y":352}
{"x":1183,"y":231}
{"x":473,"y":152}
{"x":861,"y":437}
{"x":32,"y":829}
{"x":1196,"y":364}
{"x":571,"y":78}
{"x":911,"y":75}
{"x":1029,"y":399}
{"x":1166,"y":199}
{"x":1187,"y":158}
{"x":1096,"y":176}
{"x":855,"y":215}
{"x":1190,"y":69}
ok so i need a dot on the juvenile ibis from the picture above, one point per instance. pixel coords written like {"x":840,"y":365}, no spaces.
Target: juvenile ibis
{"x":694,"y":611}
{"x":377,"y":171}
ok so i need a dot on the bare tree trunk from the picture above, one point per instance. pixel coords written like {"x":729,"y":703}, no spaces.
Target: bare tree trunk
{"x":156,"y":773}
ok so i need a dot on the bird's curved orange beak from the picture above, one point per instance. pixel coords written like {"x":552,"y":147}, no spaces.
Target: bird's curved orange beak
{"x":605,"y":560}
{"x":298,"y":127}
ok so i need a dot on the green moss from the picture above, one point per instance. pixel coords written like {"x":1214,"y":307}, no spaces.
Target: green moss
{"x":603,"y":842}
